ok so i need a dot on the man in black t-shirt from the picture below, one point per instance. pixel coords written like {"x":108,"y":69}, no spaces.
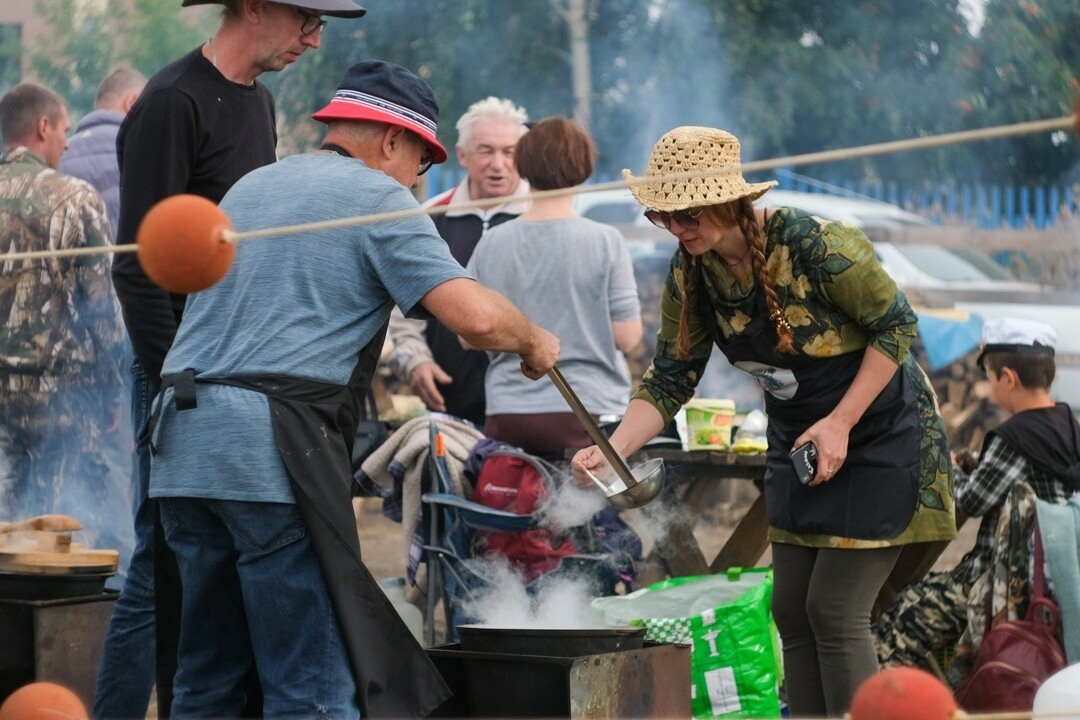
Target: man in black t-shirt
{"x":201,"y":124}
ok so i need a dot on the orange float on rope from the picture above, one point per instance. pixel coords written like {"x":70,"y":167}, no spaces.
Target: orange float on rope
{"x":903,"y":693}
{"x":43,"y":701}
{"x":182,"y":245}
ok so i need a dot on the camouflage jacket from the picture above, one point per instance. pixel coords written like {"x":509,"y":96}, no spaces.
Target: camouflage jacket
{"x":59,"y":320}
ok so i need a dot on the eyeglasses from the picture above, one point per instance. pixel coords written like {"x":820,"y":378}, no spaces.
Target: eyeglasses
{"x":687,"y":219}
{"x":312,"y":23}
{"x":426,"y":158}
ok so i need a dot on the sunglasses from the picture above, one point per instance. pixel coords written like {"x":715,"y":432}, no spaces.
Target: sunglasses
{"x":687,"y":219}
{"x":426,"y":158}
{"x":312,"y":23}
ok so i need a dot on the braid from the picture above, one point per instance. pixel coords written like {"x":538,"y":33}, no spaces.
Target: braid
{"x":756,"y":238}
{"x":689,"y":275}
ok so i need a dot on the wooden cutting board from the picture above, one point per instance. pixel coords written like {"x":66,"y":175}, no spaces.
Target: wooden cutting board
{"x":49,"y":552}
{"x":77,"y":561}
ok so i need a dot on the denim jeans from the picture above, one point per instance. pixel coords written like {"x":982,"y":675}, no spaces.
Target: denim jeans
{"x":254,"y":594}
{"x":126,"y":674}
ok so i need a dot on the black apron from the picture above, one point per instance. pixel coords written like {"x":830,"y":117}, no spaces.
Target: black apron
{"x":874,"y":494}
{"x":314,"y":426}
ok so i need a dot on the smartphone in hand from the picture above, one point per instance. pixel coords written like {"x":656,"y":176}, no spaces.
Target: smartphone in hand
{"x":804,"y":462}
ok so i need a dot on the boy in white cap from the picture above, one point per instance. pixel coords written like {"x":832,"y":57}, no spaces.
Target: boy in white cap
{"x":1038,"y":445}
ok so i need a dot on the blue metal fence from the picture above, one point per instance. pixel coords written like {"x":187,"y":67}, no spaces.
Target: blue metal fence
{"x":979,"y":205}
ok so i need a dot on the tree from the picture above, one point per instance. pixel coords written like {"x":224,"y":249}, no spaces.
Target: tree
{"x":786,"y":76}
{"x":75,"y":54}
{"x":811,"y":76}
{"x":1024,"y":66}
{"x":86,"y":40}
{"x":156,"y":33}
{"x":575,"y":14}
{"x":11,"y":52}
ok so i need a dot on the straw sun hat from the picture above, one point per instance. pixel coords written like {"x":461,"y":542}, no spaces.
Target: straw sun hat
{"x":685,"y":150}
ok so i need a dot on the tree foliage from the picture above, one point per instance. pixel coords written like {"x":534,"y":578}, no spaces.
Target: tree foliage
{"x":1024,"y":67}
{"x":75,"y":53}
{"x":85,"y":41}
{"x":786,"y":76}
{"x":831,"y":73}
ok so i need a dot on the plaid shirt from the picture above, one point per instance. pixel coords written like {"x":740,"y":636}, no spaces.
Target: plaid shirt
{"x":983,"y":492}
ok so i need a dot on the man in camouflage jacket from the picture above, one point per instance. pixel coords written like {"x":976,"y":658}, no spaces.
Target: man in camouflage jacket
{"x":60,"y":331}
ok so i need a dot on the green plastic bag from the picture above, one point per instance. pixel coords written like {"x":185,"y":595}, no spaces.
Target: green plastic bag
{"x":735,"y":663}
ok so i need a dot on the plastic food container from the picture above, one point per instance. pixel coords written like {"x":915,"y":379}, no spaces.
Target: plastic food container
{"x":708,"y":424}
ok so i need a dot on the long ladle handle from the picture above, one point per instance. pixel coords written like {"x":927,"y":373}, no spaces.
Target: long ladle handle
{"x":613,"y":458}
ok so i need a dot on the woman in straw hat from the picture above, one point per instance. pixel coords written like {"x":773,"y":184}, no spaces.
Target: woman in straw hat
{"x":804,"y":306}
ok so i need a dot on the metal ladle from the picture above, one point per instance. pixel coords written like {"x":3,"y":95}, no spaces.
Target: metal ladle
{"x":642,"y":485}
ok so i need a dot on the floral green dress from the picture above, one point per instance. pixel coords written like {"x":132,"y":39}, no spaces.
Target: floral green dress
{"x":894,"y":486}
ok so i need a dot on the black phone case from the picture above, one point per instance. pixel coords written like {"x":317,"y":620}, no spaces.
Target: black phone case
{"x":804,"y":462}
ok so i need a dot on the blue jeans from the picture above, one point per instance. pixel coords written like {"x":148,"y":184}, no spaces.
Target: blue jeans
{"x":254,"y":594}
{"x":126,"y":674}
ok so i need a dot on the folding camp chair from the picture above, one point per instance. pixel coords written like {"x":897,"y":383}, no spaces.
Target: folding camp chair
{"x":450,"y":522}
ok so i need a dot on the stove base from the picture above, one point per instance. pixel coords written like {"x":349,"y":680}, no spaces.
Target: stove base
{"x":653,"y":682}
{"x":55,"y":640}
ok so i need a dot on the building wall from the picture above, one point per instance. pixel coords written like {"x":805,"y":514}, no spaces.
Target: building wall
{"x":24,"y":14}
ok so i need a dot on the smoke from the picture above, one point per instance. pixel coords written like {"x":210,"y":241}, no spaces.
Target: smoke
{"x":505,"y":600}
{"x":499,"y":596}
{"x":72,"y":455}
{"x":7,"y":473}
{"x":659,"y":517}
{"x":570,"y":505}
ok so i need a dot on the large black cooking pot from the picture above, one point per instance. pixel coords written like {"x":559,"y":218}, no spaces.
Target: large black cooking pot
{"x":557,"y":642}
{"x":49,"y":586}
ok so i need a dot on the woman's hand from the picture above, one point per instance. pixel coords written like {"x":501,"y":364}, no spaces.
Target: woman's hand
{"x":830,"y":433}
{"x":830,"y":437}
{"x":588,"y":460}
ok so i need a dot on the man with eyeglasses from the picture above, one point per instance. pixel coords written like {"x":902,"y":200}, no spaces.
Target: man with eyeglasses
{"x":201,"y":123}
{"x":258,"y":413}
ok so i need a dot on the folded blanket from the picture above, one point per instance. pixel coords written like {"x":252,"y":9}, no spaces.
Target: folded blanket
{"x":398,"y":464}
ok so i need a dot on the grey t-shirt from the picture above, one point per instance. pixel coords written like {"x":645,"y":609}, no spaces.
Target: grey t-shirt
{"x":573,"y":277}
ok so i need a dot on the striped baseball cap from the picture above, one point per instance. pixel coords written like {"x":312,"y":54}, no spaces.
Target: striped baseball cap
{"x":384,"y":92}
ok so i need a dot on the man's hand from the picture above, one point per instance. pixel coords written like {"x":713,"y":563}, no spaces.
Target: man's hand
{"x":425,"y":379}
{"x":541,"y":355}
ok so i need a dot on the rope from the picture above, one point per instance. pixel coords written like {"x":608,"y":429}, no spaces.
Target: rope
{"x":930,"y":141}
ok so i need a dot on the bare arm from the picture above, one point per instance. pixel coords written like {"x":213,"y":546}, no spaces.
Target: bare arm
{"x":488,"y":321}
{"x":628,"y":334}
{"x":830,"y":433}
{"x":641,"y":423}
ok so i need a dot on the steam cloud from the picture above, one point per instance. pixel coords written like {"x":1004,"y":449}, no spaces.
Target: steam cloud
{"x":554,"y":601}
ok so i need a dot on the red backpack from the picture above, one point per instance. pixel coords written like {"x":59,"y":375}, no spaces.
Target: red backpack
{"x":1016,"y":656}
{"x":517,"y":482}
